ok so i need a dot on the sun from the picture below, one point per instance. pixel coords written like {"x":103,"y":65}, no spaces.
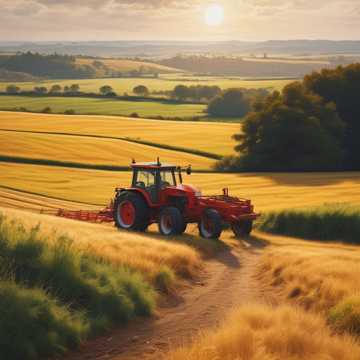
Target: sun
{"x":214,"y":15}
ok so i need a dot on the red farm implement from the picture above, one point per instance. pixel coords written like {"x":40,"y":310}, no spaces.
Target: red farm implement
{"x":157,"y":195}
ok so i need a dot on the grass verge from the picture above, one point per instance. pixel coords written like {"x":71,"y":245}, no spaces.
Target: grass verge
{"x":327,"y":222}
{"x":84,"y":295}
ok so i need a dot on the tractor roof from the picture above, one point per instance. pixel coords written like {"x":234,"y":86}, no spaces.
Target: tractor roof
{"x":152,"y":165}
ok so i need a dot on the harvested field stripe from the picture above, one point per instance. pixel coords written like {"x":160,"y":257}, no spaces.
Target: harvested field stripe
{"x":141,"y":142}
{"x":46,"y":196}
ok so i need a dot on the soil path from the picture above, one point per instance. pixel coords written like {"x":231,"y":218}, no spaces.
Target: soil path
{"x":228,"y":280}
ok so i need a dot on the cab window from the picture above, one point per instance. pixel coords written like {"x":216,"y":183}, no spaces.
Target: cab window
{"x":145,"y":179}
{"x":167,"y":178}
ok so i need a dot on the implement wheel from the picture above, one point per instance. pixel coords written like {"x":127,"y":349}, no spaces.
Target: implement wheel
{"x":171,"y":222}
{"x":210,"y":226}
{"x":131,"y":212}
{"x":242,"y":229}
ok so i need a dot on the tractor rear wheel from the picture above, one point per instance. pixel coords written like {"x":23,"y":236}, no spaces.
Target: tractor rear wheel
{"x":131,"y":212}
{"x":210,"y":226}
{"x":242,"y":228}
{"x":171,"y":222}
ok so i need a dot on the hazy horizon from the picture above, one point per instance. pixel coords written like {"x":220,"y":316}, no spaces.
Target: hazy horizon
{"x":174,"y":20}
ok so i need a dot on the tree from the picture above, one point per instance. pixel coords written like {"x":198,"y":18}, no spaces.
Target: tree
{"x":181,"y":92}
{"x":141,"y":90}
{"x":292,"y":131}
{"x":106,"y":89}
{"x":342,"y":86}
{"x":12,"y":89}
{"x":40,"y":90}
{"x":74,"y":88}
{"x":55,"y":89}
{"x":231,"y":103}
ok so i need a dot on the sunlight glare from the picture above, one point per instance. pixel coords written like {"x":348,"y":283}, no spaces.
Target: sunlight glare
{"x":214,"y":15}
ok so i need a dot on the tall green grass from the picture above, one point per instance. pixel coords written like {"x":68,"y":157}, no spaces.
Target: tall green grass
{"x":33,"y":324}
{"x":69,"y":294}
{"x":327,"y":222}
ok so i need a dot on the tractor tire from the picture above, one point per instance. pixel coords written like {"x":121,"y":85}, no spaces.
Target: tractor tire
{"x":171,"y":222}
{"x":131,"y":212}
{"x":242,"y":229}
{"x":210,"y":226}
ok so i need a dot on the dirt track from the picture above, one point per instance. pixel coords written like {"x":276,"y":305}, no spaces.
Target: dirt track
{"x":227,"y":281}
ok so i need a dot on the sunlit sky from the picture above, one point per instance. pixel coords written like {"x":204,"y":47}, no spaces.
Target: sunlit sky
{"x":178,"y":19}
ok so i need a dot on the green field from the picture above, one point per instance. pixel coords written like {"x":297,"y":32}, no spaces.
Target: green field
{"x":163,"y":83}
{"x":94,"y":106}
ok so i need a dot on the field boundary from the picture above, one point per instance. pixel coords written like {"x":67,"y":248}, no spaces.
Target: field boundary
{"x":206,"y":154}
{"x":76,"y":165}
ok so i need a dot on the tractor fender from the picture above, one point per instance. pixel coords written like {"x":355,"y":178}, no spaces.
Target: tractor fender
{"x":141,"y":192}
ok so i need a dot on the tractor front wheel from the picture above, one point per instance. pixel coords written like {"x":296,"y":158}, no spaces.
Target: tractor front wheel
{"x":242,"y":228}
{"x":171,"y":222}
{"x":131,"y":212}
{"x":210,"y":226}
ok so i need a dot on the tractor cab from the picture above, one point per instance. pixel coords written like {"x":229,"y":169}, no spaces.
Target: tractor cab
{"x":154,"y":177}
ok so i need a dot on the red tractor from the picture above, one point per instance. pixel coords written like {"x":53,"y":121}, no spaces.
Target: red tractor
{"x":155,"y":196}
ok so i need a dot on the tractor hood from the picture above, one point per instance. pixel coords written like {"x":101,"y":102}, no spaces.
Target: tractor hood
{"x":190,"y":189}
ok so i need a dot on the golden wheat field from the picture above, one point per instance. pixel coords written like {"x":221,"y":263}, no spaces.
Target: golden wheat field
{"x":211,"y":137}
{"x":267,"y":191}
{"x":90,"y":150}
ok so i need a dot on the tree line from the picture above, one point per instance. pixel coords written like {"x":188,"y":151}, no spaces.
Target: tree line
{"x":73,"y":89}
{"x":312,"y":125}
{"x":52,"y":66}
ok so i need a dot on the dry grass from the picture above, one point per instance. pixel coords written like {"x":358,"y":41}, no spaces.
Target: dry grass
{"x":152,"y":257}
{"x":91,"y":150}
{"x":267,"y":191}
{"x":210,"y":137}
{"x":315,"y":275}
{"x":257,"y":332}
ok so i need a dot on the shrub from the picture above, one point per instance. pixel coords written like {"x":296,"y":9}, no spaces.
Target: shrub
{"x":134,"y":115}
{"x":70,"y":112}
{"x":34,"y":325}
{"x":46,"y":110}
{"x":345,"y":316}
